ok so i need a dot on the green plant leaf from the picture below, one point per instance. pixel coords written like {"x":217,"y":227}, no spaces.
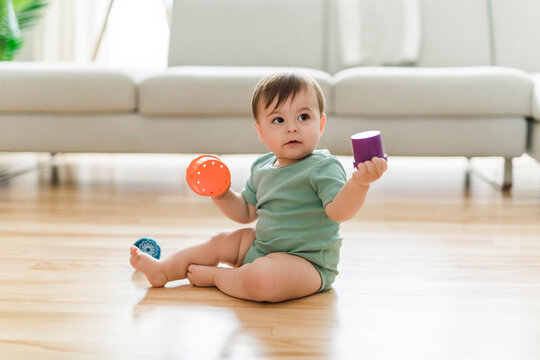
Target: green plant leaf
{"x":10,"y":33}
{"x":29,"y":11}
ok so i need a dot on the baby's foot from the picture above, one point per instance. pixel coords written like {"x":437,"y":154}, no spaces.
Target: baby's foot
{"x":200,"y":275}
{"x":149,"y":266}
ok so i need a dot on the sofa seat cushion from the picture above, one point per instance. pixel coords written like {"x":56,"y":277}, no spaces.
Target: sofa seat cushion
{"x":209,"y":90}
{"x":64,"y":88}
{"x":432,"y":91}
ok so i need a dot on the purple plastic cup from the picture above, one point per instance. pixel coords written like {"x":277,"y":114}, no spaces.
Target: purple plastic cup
{"x":366,"y":145}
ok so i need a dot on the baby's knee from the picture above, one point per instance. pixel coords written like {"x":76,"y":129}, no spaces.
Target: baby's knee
{"x":226,"y":237}
{"x":259,"y":285}
{"x":247,"y":233}
{"x":216,"y":240}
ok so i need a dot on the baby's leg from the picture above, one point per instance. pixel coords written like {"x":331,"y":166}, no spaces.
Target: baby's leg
{"x":227,"y":247}
{"x":275,"y":277}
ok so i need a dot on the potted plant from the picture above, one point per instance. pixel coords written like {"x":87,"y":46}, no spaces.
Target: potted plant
{"x":16,"y":15}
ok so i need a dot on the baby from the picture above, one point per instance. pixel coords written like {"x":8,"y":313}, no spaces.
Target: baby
{"x":299,"y":196}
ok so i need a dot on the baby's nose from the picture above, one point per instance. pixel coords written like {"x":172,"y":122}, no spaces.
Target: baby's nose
{"x":292,"y":129}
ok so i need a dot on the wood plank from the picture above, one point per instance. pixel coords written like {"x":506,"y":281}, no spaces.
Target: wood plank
{"x":428,"y":269}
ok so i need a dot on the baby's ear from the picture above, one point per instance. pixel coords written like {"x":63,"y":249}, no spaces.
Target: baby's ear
{"x":323,"y":122}
{"x":259,"y":130}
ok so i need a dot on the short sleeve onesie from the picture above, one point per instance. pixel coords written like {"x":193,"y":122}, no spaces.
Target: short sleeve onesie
{"x":290,"y":203}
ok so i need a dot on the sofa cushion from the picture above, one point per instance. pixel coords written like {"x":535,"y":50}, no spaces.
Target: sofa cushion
{"x":516,"y":34}
{"x":208,"y":90}
{"x":432,"y":91}
{"x":248,"y":33}
{"x":455,"y":33}
{"x":61,"y":87}
{"x":373,"y":33}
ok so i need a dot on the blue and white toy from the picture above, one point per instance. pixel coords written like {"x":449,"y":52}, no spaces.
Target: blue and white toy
{"x":149,"y":246}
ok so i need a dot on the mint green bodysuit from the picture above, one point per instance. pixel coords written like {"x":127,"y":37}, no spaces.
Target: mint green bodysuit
{"x":290,"y":202}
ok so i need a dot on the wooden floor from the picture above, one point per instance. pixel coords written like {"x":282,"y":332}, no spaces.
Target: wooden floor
{"x":429,"y":270}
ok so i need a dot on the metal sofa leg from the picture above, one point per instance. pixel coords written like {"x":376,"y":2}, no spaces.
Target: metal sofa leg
{"x":468,"y":176}
{"x":8,"y":174}
{"x":507,"y":179}
{"x":506,"y":184}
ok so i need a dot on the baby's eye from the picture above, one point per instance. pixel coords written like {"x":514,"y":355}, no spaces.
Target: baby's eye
{"x":278,"y":120}
{"x":303,"y":117}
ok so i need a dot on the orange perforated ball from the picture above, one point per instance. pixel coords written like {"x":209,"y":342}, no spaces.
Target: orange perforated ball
{"x":208,"y":176}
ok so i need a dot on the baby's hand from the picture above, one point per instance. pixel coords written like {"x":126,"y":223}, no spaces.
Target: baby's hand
{"x":369,"y":171}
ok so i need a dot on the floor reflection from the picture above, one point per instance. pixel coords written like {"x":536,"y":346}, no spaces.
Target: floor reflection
{"x":230,"y":328}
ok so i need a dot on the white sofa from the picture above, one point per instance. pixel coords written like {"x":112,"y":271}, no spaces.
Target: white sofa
{"x":470,"y":90}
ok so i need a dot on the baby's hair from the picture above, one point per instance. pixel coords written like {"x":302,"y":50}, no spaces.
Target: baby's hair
{"x":284,"y":85}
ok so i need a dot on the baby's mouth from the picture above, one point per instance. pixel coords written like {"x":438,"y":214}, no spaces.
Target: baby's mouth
{"x":292,"y":142}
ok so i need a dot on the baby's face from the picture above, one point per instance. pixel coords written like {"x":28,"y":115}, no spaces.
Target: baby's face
{"x":293,"y":130}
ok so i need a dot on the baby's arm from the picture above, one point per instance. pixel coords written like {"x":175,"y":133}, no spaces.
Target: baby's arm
{"x":351,"y":197}
{"x":233,"y":205}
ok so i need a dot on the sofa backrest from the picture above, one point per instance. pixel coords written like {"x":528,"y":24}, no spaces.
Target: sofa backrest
{"x":516,"y":34}
{"x":372,"y":33}
{"x":455,"y":33}
{"x":248,"y":33}
{"x":310,"y":33}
